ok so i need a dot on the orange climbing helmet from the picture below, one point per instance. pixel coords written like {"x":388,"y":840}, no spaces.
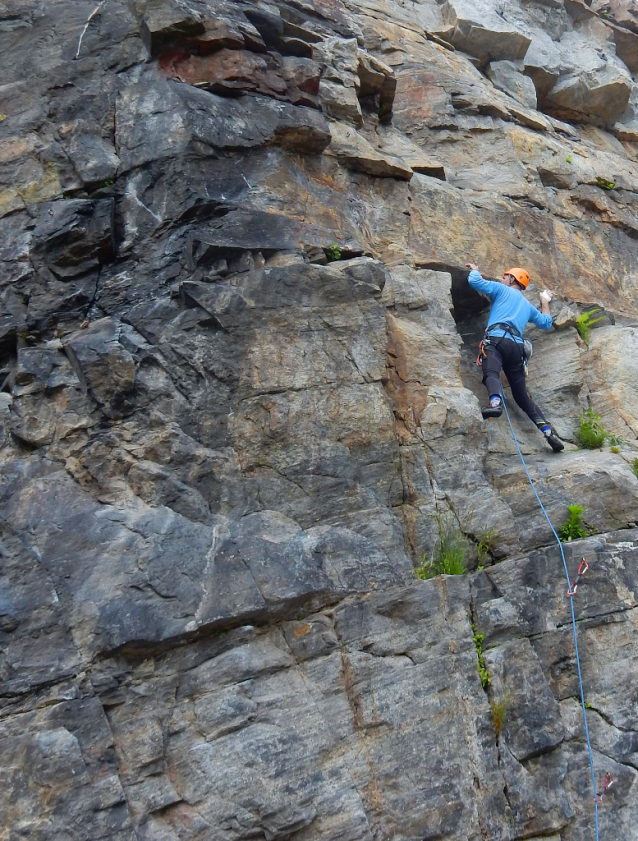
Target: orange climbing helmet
{"x":521,"y":276}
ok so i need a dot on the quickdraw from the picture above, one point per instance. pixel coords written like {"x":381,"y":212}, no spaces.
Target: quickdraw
{"x":481,"y":352}
{"x":607,"y":784}
{"x":485,"y":341}
{"x":582,"y":569}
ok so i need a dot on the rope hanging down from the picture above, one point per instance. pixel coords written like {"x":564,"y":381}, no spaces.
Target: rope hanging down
{"x":571,"y":592}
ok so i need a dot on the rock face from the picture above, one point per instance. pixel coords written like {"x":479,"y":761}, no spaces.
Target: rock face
{"x":239,"y":406}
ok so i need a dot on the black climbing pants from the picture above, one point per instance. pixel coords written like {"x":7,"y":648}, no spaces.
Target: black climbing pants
{"x":507,"y":355}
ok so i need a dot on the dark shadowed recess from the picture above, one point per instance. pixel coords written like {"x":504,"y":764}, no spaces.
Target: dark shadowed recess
{"x":469,"y":310}
{"x":466,"y":303}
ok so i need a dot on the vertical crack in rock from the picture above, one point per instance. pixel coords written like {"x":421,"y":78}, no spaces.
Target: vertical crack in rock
{"x":365,"y":731}
{"x":349,"y":684}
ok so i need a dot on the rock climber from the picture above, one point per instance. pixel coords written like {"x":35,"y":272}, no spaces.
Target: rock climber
{"x":503,"y":348}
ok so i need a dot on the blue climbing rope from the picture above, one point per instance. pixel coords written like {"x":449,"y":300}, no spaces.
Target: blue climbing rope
{"x":570,"y":591}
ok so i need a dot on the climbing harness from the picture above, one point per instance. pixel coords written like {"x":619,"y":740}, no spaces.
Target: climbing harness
{"x":571,"y":592}
{"x":526,"y":347}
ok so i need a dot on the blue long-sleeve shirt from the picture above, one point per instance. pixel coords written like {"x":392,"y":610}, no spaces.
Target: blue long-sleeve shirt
{"x":509,"y":306}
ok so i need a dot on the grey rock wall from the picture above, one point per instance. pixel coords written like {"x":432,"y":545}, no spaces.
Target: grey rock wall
{"x":363,"y":719}
{"x":238,"y":402}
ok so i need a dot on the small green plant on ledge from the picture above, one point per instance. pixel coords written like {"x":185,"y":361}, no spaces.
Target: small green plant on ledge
{"x":575,"y":526}
{"x":569,"y":158}
{"x":448,"y":554}
{"x":590,"y":433}
{"x":615,"y":441}
{"x":333,"y":253}
{"x":634,"y":467}
{"x":604,"y":184}
{"x":480,"y":664}
{"x":585,"y":321}
{"x":499,"y":713}
{"x":485,"y":545}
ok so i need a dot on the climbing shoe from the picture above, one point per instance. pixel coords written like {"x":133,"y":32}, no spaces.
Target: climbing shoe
{"x":554,"y":443}
{"x":492,"y":411}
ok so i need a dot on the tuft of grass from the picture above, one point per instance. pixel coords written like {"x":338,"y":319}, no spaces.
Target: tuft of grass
{"x":499,"y":713}
{"x":615,"y":441}
{"x":448,"y":554}
{"x":333,"y":253}
{"x":585,"y":321}
{"x":590,"y":433}
{"x":634,"y":467}
{"x":485,"y":545}
{"x":424,"y":570}
{"x":575,"y":526}
{"x":480,"y":662}
{"x":569,"y":158}
{"x":604,"y":184}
